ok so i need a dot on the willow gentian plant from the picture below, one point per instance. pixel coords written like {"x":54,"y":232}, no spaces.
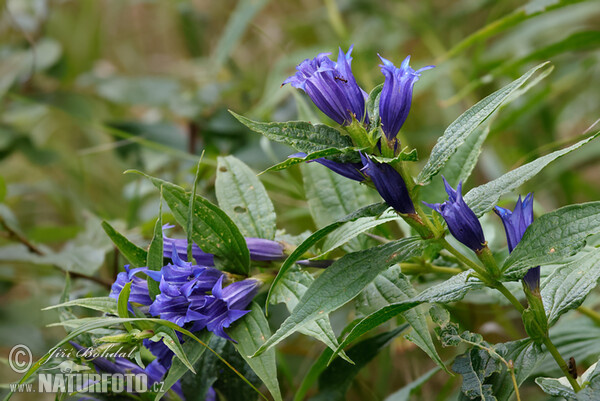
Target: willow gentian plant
{"x":184,"y":300}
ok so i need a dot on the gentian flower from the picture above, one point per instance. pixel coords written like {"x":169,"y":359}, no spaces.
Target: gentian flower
{"x":389,"y":184}
{"x":179,"y":280}
{"x":225,"y":306}
{"x":348,"y":170}
{"x":396,"y":95}
{"x":515,"y":224}
{"x":462,"y":222}
{"x":260,"y":249}
{"x":332,"y":87}
{"x":139,"y":286}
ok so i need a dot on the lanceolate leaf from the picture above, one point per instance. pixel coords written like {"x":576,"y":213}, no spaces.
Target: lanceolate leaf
{"x":483,"y":198}
{"x":133,"y":253}
{"x":568,"y":285}
{"x":290,"y":290}
{"x":392,"y":286}
{"x":553,"y":237}
{"x":244,"y":198}
{"x":371,"y":210}
{"x":451,"y":290}
{"x":214,"y":232}
{"x":102,"y":304}
{"x":301,"y":135}
{"x":155,"y":252}
{"x":341,"y":282}
{"x":290,"y":161}
{"x":457,"y":132}
{"x":373,"y":103}
{"x":250,"y":333}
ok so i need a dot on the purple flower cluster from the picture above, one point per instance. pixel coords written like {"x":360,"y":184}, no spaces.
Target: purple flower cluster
{"x":190,"y":295}
{"x":333,"y":89}
{"x":194,"y":295}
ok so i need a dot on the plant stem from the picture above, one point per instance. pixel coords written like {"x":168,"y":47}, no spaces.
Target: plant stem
{"x":561,"y":363}
{"x":592,"y":314}
{"x":409,"y":268}
{"x":508,"y":295}
{"x":468,"y":262}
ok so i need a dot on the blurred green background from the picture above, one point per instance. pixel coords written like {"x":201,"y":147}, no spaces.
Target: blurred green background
{"x":91,"y":88}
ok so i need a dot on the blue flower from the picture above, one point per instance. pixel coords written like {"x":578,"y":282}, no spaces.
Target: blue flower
{"x":225,"y":306}
{"x":396,"y":95}
{"x":389,"y":184}
{"x":180,"y":280}
{"x":348,"y":170}
{"x":139,"y":286}
{"x":515,"y":224}
{"x":260,"y":249}
{"x":462,"y":222}
{"x":331,"y":86}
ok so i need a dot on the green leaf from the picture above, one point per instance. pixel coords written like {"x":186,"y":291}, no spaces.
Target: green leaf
{"x":408,"y":155}
{"x":371,"y":210}
{"x":476,"y":366}
{"x":484,"y":197}
{"x":290,"y":290}
{"x":405,"y":392}
{"x":300,"y":135}
{"x":568,"y":285}
{"x":352,"y":229}
{"x":341,"y":282}
{"x":526,"y":357}
{"x":155,"y":252}
{"x":244,"y":198}
{"x":123,"y":303}
{"x":373,"y":104}
{"x":552,"y":238}
{"x":458,"y":167}
{"x":331,"y":196}
{"x":390,"y":287}
{"x":170,"y":339}
{"x":102,"y":304}
{"x":237,"y":24}
{"x":133,"y":253}
{"x":250,"y":332}
{"x":194,"y":352}
{"x":291,"y":161}
{"x":208,"y":368}
{"x":451,"y":290}
{"x":336,"y":379}
{"x":457,"y":132}
{"x":589,"y":382}
{"x":214,"y":232}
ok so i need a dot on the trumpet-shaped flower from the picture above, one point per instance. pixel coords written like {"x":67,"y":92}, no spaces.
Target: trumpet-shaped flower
{"x":515,"y":223}
{"x":389,"y":184}
{"x":331,"y":86}
{"x":462,"y":222}
{"x":396,"y":95}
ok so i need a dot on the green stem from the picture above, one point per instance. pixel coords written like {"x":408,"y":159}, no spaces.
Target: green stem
{"x":468,"y":262}
{"x":508,"y":295}
{"x":592,"y":314}
{"x":487,"y":258}
{"x":561,"y":363}
{"x":413,"y":268}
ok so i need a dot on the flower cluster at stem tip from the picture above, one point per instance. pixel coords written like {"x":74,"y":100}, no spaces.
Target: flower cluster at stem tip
{"x":333,"y":89}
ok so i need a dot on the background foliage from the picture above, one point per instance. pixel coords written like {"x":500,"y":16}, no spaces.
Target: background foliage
{"x":91,"y":88}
